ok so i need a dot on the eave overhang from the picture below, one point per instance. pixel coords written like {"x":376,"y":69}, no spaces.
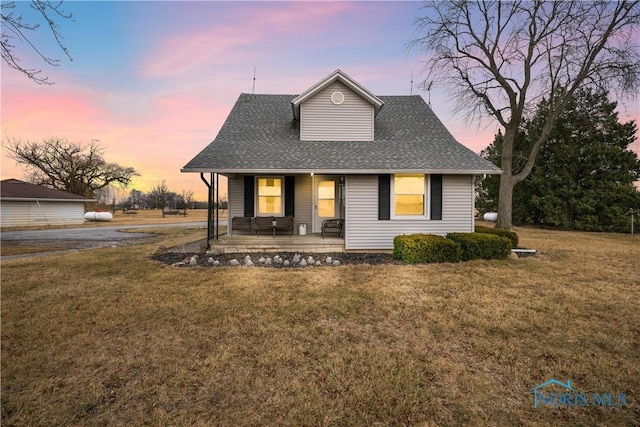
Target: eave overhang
{"x":43,"y":199}
{"x":224,"y":171}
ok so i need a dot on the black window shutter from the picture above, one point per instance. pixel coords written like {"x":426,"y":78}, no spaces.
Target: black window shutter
{"x":249,"y":196}
{"x":384,"y":197}
{"x":289,"y":195}
{"x":436,"y":196}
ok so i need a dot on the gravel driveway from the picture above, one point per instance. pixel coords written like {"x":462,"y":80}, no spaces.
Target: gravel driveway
{"x":69,"y":239}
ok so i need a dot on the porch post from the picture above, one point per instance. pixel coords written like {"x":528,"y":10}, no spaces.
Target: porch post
{"x":210,"y":211}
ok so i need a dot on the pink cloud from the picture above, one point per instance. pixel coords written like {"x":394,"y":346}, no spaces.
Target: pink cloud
{"x":157,"y":136}
{"x":238,"y":37}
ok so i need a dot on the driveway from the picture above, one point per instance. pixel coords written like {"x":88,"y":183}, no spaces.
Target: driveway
{"x":72,"y":239}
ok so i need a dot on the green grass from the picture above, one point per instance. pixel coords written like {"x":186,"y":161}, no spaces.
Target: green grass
{"x":110,"y":337}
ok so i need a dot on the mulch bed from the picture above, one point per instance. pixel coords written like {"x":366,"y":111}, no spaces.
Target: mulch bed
{"x":172,"y":258}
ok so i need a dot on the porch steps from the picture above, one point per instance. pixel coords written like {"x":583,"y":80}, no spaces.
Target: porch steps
{"x":248,"y":244}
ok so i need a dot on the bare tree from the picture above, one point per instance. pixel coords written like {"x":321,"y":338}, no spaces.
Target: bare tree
{"x":499,"y":59}
{"x":69,"y":166}
{"x":159,"y":196}
{"x":187,"y":199}
{"x":14,"y":27}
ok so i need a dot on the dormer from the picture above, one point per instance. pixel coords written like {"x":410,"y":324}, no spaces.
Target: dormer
{"x":337,"y":108}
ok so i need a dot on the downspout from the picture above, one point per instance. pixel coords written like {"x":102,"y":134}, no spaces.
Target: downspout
{"x":210,"y":218}
{"x":217,"y":206}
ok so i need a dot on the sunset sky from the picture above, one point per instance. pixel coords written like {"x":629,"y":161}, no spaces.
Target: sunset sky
{"x":154,"y":81}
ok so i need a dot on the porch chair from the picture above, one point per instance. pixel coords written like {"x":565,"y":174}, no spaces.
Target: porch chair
{"x":334,"y":226}
{"x":284,"y":223}
{"x":241,"y":223}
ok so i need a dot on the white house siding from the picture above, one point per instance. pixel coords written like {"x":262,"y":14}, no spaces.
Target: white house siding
{"x":303,"y":199}
{"x":235,"y":188}
{"x":321,"y":120}
{"x":42,"y":213}
{"x":365,"y":231}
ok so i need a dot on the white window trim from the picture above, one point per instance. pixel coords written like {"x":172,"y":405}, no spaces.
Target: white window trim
{"x":257,"y":195}
{"x":427,"y":206}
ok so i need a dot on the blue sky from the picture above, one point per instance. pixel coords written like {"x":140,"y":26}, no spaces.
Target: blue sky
{"x":154,"y":81}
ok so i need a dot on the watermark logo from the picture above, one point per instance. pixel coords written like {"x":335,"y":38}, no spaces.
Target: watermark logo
{"x":555,"y":393}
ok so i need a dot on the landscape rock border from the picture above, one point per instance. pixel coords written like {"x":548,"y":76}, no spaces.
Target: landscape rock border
{"x":275,"y":260}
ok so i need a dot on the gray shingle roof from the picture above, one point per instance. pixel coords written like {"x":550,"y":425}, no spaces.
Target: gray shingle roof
{"x":15,"y":189}
{"x":260,"y":135}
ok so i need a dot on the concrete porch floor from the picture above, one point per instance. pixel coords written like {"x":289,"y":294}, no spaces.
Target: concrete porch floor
{"x":268,"y":243}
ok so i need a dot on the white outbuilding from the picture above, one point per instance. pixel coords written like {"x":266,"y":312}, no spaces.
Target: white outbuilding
{"x":24,"y":204}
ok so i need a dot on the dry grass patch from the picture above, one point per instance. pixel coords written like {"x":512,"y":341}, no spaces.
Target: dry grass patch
{"x":109,"y":337}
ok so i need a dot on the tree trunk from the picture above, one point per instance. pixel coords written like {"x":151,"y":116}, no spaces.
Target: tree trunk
{"x":505,"y":201}
{"x":505,"y":195}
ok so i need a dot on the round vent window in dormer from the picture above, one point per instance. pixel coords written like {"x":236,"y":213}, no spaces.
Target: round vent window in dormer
{"x":337,"y":98}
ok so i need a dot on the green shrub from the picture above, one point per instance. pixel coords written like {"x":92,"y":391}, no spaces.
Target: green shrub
{"x":425,"y":248}
{"x":481,"y":245}
{"x":509,"y":234}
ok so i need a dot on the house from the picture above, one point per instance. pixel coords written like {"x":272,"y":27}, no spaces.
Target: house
{"x":23,"y":204}
{"x":386,"y":165}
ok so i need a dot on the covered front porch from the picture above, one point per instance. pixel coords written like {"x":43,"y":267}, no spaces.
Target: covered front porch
{"x":309,"y":200}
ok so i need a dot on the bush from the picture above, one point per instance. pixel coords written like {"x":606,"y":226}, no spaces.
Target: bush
{"x":503,"y":232}
{"x":421,"y":248}
{"x":481,"y":245}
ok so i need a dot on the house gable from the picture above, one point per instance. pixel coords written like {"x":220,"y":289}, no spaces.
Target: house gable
{"x":336,"y":109}
{"x":336,"y":113}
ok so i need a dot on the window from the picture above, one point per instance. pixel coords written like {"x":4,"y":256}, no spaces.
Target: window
{"x":327,"y":199}
{"x":269,"y":196}
{"x":409,"y":192}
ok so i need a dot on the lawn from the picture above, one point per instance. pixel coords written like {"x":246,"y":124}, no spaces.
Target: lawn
{"x":110,"y":337}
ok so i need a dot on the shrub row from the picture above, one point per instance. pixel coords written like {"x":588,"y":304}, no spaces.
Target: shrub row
{"x":456,"y":247}
{"x":421,"y":248}
{"x":481,"y":245}
{"x":511,"y":235}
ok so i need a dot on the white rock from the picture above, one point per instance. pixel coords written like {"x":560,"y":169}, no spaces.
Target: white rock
{"x":216,"y":263}
{"x":318,"y":263}
{"x":267,"y":261}
{"x":296,"y":259}
{"x":261,"y":260}
{"x":210,"y":260}
{"x":336,"y":262}
{"x":234,"y":262}
{"x":248,"y":262}
{"x":303,"y":263}
{"x":310,"y":260}
{"x":286,"y":263}
{"x":193,"y":261}
{"x":329,"y":260}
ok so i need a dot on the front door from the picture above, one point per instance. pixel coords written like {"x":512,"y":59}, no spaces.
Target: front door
{"x":325,"y":200}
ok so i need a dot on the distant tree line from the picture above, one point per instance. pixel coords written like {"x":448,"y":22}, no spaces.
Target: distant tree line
{"x":162,"y":198}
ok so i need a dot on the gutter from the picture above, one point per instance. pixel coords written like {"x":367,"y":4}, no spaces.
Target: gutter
{"x":345,"y":171}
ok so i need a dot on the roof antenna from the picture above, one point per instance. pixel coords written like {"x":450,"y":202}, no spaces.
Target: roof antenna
{"x":411,"y":93}
{"x":429,"y":92}
{"x":254,"y":80}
